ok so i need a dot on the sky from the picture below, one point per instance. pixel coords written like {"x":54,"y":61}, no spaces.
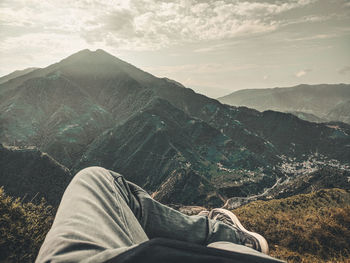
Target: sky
{"x":214,"y":47}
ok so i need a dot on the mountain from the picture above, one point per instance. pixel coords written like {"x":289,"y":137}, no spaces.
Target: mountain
{"x":324,"y":178}
{"x":340,"y":112}
{"x":16,"y":74}
{"x":32,"y":175}
{"x":318,"y":100}
{"x":308,"y":116}
{"x":95,"y":109}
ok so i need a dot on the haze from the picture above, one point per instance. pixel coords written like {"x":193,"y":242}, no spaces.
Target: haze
{"x":214,"y":47}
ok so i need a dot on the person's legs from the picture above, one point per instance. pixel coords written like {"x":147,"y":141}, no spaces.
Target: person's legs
{"x":101,"y":215}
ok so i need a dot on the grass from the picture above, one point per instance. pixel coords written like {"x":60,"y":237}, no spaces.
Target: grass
{"x":304,"y":228}
{"x":23,"y":227}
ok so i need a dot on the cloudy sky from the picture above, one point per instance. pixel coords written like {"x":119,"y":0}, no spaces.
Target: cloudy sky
{"x":213,"y":46}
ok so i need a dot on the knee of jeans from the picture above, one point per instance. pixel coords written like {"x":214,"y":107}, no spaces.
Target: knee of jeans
{"x":93,"y":172}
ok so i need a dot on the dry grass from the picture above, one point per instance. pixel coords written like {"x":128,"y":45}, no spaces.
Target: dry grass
{"x":304,"y":228}
{"x":23,"y":228}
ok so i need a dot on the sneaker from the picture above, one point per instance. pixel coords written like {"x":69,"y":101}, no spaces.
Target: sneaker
{"x":247,"y":238}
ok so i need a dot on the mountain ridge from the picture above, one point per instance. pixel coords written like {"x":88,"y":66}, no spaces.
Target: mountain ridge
{"x":317,"y":99}
{"x":92,"y":105}
{"x":15,"y":74}
{"x":31,"y":175}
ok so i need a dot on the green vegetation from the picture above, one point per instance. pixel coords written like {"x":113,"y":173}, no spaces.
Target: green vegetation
{"x":303,"y":228}
{"x":23,"y":227}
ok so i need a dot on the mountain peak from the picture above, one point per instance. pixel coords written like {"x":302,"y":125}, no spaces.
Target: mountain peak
{"x":96,"y":52}
{"x":98,"y":62}
{"x":87,"y":55}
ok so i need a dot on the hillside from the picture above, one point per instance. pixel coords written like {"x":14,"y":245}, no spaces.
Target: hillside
{"x":308,"y":116}
{"x":303,"y":228}
{"x":23,"y":227}
{"x":32,"y":175}
{"x":340,"y":112}
{"x":308,"y":100}
{"x":16,"y":74}
{"x":95,"y":109}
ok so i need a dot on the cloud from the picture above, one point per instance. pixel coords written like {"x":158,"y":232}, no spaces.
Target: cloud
{"x":56,"y":28}
{"x":157,"y":24}
{"x":205,"y":68}
{"x":302,"y":73}
{"x":142,"y":24}
{"x":307,"y":38}
{"x":344,"y":70}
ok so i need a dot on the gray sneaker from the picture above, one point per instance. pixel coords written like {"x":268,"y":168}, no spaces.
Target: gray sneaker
{"x":247,"y":238}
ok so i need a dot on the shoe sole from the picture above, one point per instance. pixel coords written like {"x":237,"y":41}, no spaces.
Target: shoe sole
{"x":203,"y":213}
{"x":262,"y":241}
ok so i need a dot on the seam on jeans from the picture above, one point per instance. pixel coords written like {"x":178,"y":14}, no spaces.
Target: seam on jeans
{"x":110,"y":177}
{"x":127,"y":199}
{"x":115,"y":183}
{"x":124,"y":219}
{"x":209,"y":231}
{"x":136,"y":192}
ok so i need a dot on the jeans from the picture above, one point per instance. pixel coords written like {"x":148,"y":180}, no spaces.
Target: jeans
{"x":102,"y":215}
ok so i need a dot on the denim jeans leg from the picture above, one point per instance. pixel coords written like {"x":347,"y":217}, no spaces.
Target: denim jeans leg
{"x":93,"y":223}
{"x":159,"y":220}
